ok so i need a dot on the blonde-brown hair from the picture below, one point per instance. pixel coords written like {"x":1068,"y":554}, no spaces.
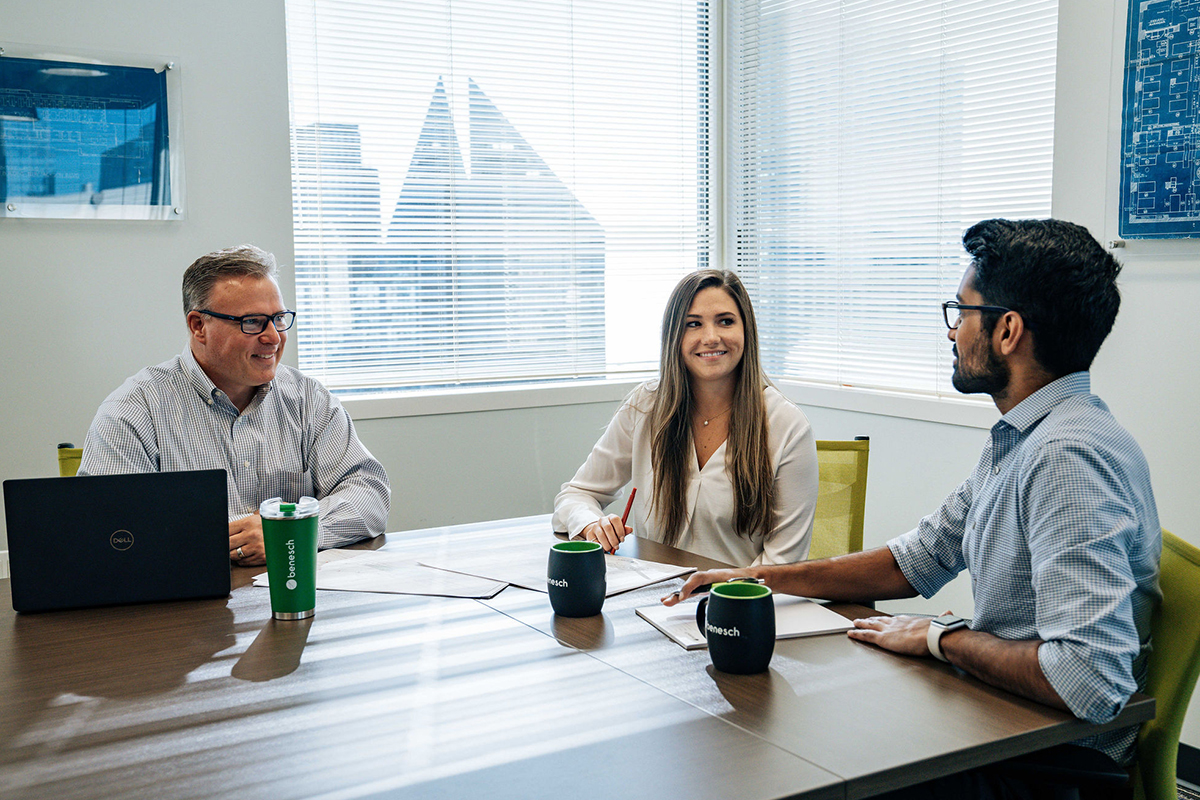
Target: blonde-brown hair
{"x":203,"y":274}
{"x":748,"y":459}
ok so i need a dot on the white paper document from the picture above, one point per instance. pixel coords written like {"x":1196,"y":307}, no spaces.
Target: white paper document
{"x":794,"y":617}
{"x":525,"y":565}
{"x":392,"y":573}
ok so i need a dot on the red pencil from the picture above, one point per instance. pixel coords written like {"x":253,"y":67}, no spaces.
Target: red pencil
{"x":628,"y":505}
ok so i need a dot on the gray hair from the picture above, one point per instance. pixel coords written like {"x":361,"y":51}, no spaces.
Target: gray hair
{"x":200,"y":278}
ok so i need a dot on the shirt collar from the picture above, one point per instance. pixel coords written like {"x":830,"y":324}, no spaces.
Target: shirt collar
{"x":1030,"y":411}
{"x":197,"y":376}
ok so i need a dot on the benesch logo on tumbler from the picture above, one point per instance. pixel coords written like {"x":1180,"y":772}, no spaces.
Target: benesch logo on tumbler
{"x":291,"y":581}
{"x":722,"y":631}
{"x":121,"y":540}
{"x":559,"y":582}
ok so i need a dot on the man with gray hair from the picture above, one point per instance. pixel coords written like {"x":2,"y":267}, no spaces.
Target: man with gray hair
{"x":227,"y":403}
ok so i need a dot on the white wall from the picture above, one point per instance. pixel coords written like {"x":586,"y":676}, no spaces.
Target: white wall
{"x":84,"y":304}
{"x":113,"y":289}
{"x":447,"y":469}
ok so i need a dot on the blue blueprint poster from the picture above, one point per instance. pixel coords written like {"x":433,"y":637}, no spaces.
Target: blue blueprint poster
{"x":82,"y":134}
{"x":1160,"y":131}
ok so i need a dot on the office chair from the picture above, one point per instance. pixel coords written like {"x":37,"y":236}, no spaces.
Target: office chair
{"x":1174,"y":665}
{"x":68,"y":459}
{"x":841,"y":497}
{"x":1172,"y":671}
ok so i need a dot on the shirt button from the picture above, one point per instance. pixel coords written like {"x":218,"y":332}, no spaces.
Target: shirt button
{"x":247,"y":463}
{"x":996,"y":471}
{"x":210,"y":401}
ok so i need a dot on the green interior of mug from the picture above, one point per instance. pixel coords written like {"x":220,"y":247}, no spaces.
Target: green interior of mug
{"x":740,"y":590}
{"x":576,"y":547}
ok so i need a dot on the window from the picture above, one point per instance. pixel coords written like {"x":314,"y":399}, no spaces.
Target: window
{"x":865,"y":137}
{"x":493,"y":192}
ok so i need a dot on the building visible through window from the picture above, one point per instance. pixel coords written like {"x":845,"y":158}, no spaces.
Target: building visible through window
{"x":493,"y":194}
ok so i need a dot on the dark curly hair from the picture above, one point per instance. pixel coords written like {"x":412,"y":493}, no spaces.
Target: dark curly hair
{"x":1060,"y":280}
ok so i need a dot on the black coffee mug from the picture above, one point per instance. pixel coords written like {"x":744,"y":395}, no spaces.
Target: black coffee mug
{"x":738,"y":620}
{"x":575,"y":578}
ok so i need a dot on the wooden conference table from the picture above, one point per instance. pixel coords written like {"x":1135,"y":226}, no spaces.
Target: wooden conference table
{"x":408,"y":696}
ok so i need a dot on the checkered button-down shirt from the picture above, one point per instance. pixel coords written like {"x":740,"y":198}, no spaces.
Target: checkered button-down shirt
{"x":293,"y":439}
{"x":1058,"y":528}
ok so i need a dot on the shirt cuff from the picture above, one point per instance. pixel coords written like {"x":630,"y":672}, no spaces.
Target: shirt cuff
{"x":1068,"y":670}
{"x":920,"y":568}
{"x":574,"y":515}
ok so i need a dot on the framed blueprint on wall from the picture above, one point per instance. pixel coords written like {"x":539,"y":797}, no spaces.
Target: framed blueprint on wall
{"x":1160,"y":129}
{"x":86,"y":139}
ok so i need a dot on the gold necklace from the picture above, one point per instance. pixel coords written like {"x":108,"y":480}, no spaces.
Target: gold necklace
{"x":718,"y":416}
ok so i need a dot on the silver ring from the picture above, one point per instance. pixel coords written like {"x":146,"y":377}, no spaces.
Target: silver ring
{"x":241,"y":555}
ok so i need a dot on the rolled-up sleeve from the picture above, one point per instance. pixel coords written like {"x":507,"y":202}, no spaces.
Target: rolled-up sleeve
{"x":1081,"y":525}
{"x":931,"y":554}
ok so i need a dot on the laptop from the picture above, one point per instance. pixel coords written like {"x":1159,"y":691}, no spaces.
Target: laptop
{"x":100,"y":540}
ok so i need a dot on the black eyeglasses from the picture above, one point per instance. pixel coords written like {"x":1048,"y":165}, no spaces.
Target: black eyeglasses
{"x":953,"y":306}
{"x":255,"y":324}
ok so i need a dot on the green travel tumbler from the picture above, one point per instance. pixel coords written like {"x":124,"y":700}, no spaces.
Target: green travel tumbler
{"x":290,"y":538}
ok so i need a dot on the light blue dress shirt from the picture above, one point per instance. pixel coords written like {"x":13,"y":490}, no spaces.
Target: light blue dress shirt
{"x":293,"y":439}
{"x":1058,"y":529}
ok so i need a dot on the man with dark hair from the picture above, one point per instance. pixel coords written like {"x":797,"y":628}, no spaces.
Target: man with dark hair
{"x":1060,"y":278}
{"x":1057,"y":524}
{"x":227,"y":403}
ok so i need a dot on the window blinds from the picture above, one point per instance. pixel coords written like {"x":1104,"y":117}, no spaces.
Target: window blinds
{"x":866,"y":136}
{"x":493,"y":192}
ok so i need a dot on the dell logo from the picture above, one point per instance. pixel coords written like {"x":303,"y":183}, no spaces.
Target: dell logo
{"x":121,"y":540}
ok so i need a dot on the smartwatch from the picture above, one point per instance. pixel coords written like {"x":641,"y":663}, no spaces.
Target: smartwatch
{"x":939,"y":626}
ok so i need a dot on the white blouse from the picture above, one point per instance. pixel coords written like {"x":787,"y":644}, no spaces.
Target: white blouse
{"x":622,"y":456}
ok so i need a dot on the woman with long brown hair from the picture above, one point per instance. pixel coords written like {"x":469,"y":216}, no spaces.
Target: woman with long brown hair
{"x":725,"y":465}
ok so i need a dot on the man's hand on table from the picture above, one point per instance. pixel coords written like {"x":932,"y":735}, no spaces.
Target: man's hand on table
{"x":901,"y":634}
{"x":246,"y":547}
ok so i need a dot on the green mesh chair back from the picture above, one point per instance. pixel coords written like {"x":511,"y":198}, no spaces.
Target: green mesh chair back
{"x":1174,"y":664}
{"x":68,"y":459}
{"x":841,"y":499}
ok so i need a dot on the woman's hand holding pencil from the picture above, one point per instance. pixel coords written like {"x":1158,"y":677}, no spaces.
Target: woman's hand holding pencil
{"x":610,"y":531}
